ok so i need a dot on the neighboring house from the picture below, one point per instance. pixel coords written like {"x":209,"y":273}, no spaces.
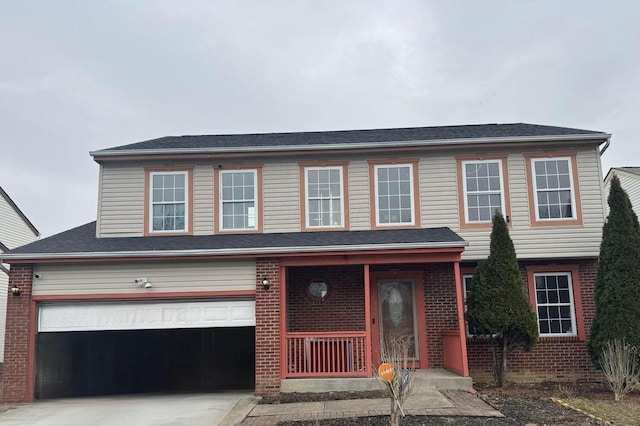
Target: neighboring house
{"x":630,"y":182}
{"x":15,"y":231}
{"x":259,"y":260}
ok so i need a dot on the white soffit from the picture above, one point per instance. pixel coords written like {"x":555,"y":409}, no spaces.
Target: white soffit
{"x":145,"y":315}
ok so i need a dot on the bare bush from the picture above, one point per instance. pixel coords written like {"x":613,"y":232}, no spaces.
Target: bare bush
{"x":619,"y":363}
{"x":395,"y":352}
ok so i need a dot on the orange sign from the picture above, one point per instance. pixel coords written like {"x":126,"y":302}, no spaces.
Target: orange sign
{"x":385,"y":371}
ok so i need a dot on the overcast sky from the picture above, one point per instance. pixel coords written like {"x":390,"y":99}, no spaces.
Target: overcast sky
{"x":83,"y":75}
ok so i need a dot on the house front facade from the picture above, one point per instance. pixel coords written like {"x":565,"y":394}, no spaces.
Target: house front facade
{"x":247,"y":261}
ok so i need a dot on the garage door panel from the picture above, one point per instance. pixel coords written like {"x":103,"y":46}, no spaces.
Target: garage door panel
{"x":143,"y":316}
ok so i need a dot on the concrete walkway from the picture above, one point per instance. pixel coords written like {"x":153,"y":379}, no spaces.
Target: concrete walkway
{"x":426,"y":402}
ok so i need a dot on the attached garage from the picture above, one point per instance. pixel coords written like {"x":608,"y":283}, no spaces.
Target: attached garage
{"x":99,"y":348}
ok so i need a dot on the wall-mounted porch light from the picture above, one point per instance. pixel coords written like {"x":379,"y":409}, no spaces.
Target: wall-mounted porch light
{"x":15,"y":290}
{"x":266,"y":285}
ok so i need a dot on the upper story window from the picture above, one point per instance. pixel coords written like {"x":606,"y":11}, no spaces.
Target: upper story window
{"x":168,"y":201}
{"x":324,"y":199}
{"x":394,"y":195}
{"x":238,"y":200}
{"x":554,"y":192}
{"x":483,"y":190}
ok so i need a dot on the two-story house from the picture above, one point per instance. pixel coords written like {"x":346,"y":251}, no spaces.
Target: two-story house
{"x":257,"y":260}
{"x":15,"y":230}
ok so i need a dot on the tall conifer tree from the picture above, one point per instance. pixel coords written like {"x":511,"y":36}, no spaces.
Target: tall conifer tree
{"x":497,"y":306}
{"x":617,"y":292}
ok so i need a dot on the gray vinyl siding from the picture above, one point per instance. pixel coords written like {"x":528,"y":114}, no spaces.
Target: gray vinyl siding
{"x":359,"y":197}
{"x":281,"y":197}
{"x":547,"y":242}
{"x":203,"y":200}
{"x":439,"y":192}
{"x":13,"y":231}
{"x":631,"y":184}
{"x":166,"y":277}
{"x":121,"y":202}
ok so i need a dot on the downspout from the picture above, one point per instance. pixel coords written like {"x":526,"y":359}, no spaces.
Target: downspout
{"x":606,"y":145}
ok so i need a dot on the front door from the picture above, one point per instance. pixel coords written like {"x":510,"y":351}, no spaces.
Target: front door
{"x":398,"y":313}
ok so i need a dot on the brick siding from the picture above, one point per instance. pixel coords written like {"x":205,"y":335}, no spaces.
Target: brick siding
{"x":267,"y":328}
{"x":553,"y":358}
{"x":17,"y":374}
{"x":342,"y":310}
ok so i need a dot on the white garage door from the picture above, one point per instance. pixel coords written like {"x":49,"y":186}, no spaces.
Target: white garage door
{"x":145,"y":315}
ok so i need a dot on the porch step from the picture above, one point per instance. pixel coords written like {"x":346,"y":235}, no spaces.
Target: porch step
{"x":441,"y":379}
{"x":430,"y":378}
{"x":330,"y":384}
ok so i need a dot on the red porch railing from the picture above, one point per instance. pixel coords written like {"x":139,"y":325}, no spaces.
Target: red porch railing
{"x":452,"y":351}
{"x":338,"y":354}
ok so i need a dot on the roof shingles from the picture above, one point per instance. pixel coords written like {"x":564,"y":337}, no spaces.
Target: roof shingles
{"x":301,"y":139}
{"x":82,"y":241}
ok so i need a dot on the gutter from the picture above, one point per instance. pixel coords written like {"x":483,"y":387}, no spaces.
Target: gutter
{"x":344,"y":146}
{"x":606,"y":145}
{"x":230,"y":252}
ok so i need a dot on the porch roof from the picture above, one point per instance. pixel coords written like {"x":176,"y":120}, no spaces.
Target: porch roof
{"x":81,"y":242}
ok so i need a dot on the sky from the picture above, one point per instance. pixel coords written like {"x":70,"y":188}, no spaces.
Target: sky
{"x":77,"y":76}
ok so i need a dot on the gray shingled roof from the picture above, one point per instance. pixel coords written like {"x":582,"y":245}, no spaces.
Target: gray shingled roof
{"x":634,"y":170}
{"x":81,"y":241}
{"x":350,"y":137}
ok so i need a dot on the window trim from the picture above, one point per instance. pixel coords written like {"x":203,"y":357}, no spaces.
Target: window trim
{"x":344,"y":179}
{"x":534,"y":219}
{"x":574,"y":273}
{"x":217,"y":197}
{"x":464,"y":275}
{"x":148,"y":200}
{"x":415,"y":193}
{"x":462,"y":199}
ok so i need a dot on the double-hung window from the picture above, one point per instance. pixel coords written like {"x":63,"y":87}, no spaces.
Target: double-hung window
{"x":324,"y":197}
{"x":483,"y":190}
{"x":394,"y":197}
{"x":169,"y":201}
{"x":238,"y":200}
{"x":554,"y":192}
{"x":554,"y":303}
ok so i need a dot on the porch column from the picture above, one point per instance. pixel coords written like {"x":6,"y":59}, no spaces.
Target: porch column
{"x":461,"y":324}
{"x":268,"y":327}
{"x":367,"y":317}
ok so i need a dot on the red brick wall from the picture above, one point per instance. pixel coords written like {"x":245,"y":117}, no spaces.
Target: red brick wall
{"x":555,"y":358}
{"x":267,"y":328}
{"x":17,"y":374}
{"x":342,"y":310}
{"x":440,"y":307}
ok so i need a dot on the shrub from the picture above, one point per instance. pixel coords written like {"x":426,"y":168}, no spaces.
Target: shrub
{"x":619,"y":363}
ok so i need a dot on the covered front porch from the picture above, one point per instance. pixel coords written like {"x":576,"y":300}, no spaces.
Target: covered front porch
{"x":336,"y":310}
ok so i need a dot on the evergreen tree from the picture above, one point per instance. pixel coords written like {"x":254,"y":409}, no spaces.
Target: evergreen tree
{"x":617,"y":291}
{"x":497,"y":306}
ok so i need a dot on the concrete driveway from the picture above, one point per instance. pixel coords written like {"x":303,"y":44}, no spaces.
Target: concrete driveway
{"x":130,"y":410}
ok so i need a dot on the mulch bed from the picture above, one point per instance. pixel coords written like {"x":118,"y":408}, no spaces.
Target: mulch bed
{"x":521,"y":405}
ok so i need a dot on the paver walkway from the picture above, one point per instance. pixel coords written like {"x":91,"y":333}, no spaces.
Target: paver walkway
{"x":428,"y":402}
